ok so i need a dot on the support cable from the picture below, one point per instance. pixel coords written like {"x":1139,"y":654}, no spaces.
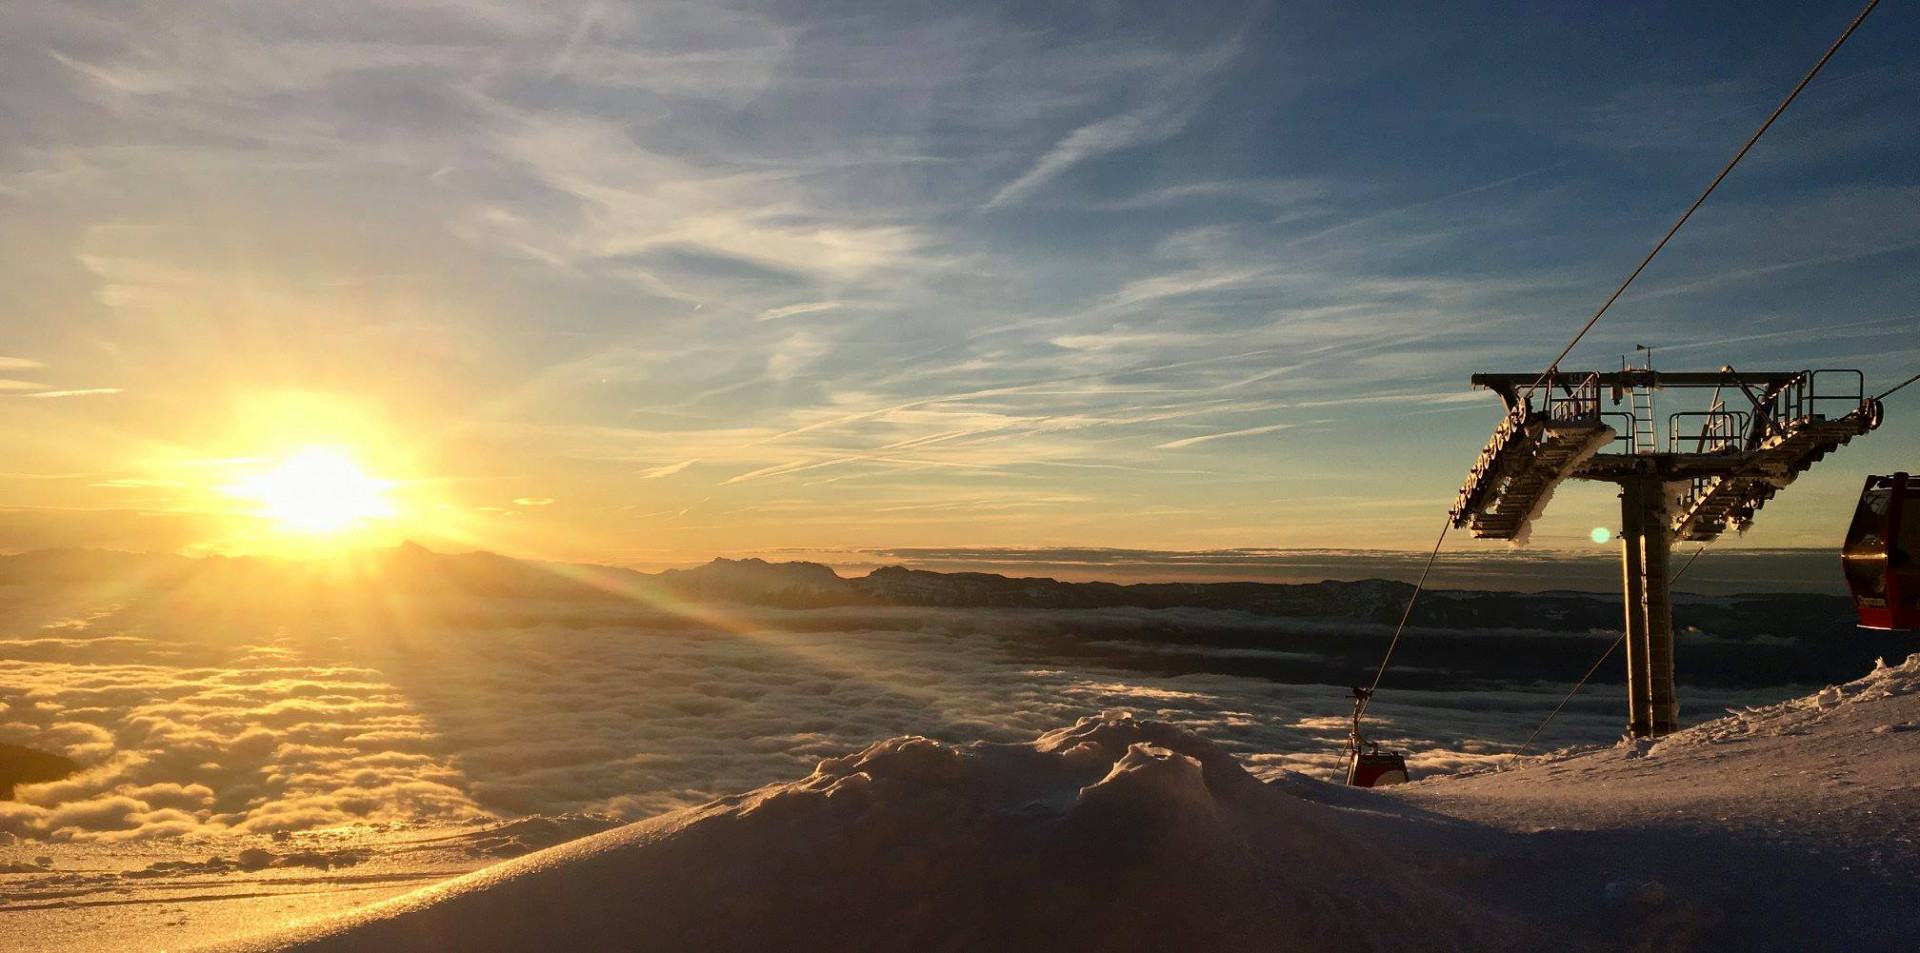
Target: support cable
{"x":1889,"y":391}
{"x":1554,"y":365}
{"x":1362,"y":697}
{"x":1596,"y":665}
{"x":1408,"y":612}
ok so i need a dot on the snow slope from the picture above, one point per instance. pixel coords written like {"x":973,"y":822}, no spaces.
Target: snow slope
{"x":1794,"y":826}
{"x":1789,"y":827}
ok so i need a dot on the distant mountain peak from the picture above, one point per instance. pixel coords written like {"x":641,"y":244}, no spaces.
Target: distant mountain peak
{"x":754,"y":578}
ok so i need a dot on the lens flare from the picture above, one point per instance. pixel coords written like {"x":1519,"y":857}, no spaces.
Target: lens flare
{"x":1601,"y":535}
{"x":318,"y":491}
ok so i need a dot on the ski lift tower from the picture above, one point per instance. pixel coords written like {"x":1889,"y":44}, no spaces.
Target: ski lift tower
{"x":1721,"y":464}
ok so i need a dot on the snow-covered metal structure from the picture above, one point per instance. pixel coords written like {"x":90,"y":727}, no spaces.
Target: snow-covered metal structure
{"x":1718,"y":467}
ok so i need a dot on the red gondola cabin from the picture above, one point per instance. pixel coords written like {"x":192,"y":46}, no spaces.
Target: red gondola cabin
{"x":1882,"y":554}
{"x":1372,"y":769}
{"x":1367,"y":765}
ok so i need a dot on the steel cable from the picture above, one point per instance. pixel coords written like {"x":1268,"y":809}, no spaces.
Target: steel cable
{"x":1554,"y":365}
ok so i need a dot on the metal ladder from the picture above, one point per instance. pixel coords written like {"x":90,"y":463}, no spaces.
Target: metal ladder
{"x":1642,"y":400}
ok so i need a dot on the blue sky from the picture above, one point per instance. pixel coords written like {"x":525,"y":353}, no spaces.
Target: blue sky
{"x":699,"y":278}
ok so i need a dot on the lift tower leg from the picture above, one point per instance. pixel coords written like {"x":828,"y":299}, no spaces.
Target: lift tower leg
{"x":1633,"y":596}
{"x":1657,"y":540}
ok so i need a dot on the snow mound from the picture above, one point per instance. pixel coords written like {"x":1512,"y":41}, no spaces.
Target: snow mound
{"x":1794,"y":717}
{"x":1112,"y":834}
{"x":1797,"y":716}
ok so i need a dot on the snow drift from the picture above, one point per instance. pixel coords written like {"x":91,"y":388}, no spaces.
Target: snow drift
{"x":1113,"y":834}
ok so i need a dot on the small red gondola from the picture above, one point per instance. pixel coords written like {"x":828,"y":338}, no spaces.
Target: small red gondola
{"x":1881,"y":557}
{"x":1367,"y":765}
{"x":1376,"y":768}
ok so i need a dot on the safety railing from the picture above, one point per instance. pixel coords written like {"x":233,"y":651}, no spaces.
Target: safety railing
{"x":1719,"y":430}
{"x":1834,"y":398}
{"x":1622,"y":423}
{"x":1581,"y":401}
{"x":1821,"y":394}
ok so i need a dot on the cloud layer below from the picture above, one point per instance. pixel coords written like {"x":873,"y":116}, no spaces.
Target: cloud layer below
{"x":195,"y":725}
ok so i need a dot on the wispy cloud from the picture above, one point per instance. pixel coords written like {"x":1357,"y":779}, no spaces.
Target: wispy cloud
{"x":81,"y":392}
{"x":774,"y":314}
{"x":1205,"y":438}
{"x":668,"y":470}
{"x":1279,"y":193}
{"x":1164,"y":112}
{"x":1152,"y":123}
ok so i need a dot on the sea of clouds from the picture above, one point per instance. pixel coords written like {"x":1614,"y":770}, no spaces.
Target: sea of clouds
{"x":190,"y":723}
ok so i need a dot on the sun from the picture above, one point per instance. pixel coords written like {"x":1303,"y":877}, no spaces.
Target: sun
{"x":317,"y":491}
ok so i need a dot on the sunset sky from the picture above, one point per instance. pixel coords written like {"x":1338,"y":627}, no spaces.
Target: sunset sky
{"x":645,"y":283}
